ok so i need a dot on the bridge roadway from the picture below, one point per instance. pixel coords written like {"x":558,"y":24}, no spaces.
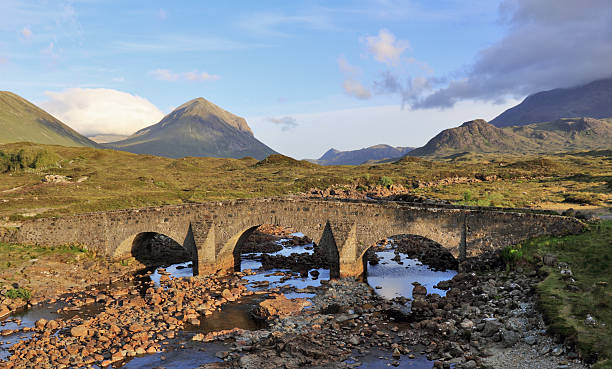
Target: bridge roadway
{"x":212,"y":232}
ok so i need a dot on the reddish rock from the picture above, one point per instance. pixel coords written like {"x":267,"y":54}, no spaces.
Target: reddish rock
{"x":40,"y":323}
{"x":281,"y":306}
{"x":79,"y":331}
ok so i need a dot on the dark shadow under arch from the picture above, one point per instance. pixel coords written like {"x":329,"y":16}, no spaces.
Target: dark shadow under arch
{"x":156,"y":249}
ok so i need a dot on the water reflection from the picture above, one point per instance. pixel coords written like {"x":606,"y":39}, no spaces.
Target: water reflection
{"x":189,"y":357}
{"x":378,"y":359}
{"x":283,"y":278}
{"x":391,"y":279}
{"x":180,"y":270}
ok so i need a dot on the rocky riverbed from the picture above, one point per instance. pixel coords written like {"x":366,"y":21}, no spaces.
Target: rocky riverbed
{"x":487,"y":318}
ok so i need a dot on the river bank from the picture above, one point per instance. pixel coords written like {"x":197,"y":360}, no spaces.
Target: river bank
{"x":486,"y":317}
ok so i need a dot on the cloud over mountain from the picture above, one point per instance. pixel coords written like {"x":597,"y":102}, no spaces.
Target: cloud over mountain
{"x":548,"y":44}
{"x":93,"y":111}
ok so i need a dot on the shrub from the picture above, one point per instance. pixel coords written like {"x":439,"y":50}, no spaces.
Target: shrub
{"x":18,"y":293}
{"x":386,"y":181}
{"x":511,"y":255}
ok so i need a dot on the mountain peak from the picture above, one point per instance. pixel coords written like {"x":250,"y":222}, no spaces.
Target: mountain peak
{"x":475,"y":123}
{"x":205,"y":110}
{"x":356,"y":157}
{"x":197,"y":128}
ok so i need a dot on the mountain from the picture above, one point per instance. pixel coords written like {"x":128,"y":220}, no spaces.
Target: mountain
{"x":196,"y":128}
{"x":590,"y":100}
{"x":475,"y":135}
{"x":356,"y":157}
{"x":20,"y":120}
{"x":567,"y":134}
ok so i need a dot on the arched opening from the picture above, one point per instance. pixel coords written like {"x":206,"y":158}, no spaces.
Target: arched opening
{"x":155,"y":249}
{"x":274,"y":256}
{"x":394,"y":266}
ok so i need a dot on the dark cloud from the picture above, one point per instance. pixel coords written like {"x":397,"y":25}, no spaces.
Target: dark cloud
{"x":409,"y":88}
{"x":286,"y":123}
{"x":549,"y":44}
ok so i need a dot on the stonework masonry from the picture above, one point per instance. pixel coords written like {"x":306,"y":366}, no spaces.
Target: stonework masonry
{"x":211,"y":231}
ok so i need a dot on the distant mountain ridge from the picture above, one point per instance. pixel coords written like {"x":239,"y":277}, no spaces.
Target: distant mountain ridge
{"x":196,"y":128}
{"x":591,"y":100}
{"x":564,"y":134}
{"x":20,"y":121}
{"x":361,"y":156}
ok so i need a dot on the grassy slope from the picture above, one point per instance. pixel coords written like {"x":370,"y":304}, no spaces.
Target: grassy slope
{"x":588,"y":257}
{"x":22,"y":121}
{"x":547,"y":137}
{"x":118,"y":180}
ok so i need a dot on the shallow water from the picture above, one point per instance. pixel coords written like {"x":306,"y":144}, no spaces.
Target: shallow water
{"x":372,"y":360}
{"x":189,"y":357}
{"x":396,"y":279}
{"x":176,"y":271}
{"x":232,"y":315}
{"x":249,"y":261}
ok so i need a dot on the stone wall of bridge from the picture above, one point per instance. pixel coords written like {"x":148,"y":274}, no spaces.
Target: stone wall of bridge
{"x":345,"y":229}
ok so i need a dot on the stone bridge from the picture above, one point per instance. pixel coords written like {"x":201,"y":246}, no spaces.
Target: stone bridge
{"x":212,"y":232}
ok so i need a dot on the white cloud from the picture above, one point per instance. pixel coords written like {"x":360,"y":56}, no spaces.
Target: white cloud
{"x":270,"y":24}
{"x":26,"y":33}
{"x":385,"y":48}
{"x":356,"y":89}
{"x":162,"y":14}
{"x":200,"y":76}
{"x":350,"y":85}
{"x":93,"y":111}
{"x":164,"y":75}
{"x":346,"y":67}
{"x":170,"y":76}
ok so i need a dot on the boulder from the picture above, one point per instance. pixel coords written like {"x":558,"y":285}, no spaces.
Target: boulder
{"x":491,"y":327}
{"x":40,"y":323}
{"x":281,"y":306}
{"x":4,"y":311}
{"x":509,"y":338}
{"x":79,"y":331}
{"x":419,"y":291}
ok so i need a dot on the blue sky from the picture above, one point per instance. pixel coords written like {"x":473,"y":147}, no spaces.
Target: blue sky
{"x":345,"y":74}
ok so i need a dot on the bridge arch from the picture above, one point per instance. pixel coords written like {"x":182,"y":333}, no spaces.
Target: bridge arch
{"x":229,"y":255}
{"x":426,"y":250}
{"x":156,"y":249}
{"x":154,"y":246}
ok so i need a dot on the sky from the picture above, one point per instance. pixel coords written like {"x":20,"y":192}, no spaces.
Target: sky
{"x":307,"y":75}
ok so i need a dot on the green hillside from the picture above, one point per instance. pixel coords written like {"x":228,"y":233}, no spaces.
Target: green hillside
{"x":22,"y":121}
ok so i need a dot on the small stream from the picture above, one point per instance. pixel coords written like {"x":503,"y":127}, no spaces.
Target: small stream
{"x":389,"y":278}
